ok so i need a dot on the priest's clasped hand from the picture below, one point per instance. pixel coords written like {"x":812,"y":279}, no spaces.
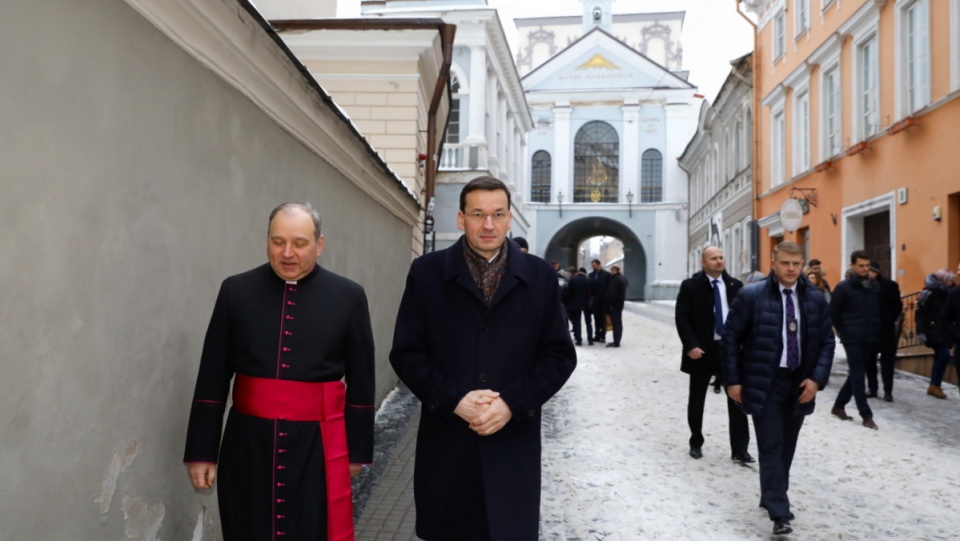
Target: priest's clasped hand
{"x":484,"y":410}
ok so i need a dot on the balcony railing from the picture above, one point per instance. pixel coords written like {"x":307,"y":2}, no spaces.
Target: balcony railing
{"x":452,"y":157}
{"x":908,"y":321}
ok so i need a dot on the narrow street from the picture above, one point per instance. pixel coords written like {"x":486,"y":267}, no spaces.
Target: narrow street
{"x":616,"y":464}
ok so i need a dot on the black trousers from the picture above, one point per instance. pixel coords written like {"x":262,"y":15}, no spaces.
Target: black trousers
{"x":887,"y":359}
{"x":616,"y":317}
{"x":575,"y":319}
{"x":599,"y":322}
{"x":737,"y":423}
{"x":777,"y":428}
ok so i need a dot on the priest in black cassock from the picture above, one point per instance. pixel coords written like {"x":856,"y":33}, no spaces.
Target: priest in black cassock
{"x":287,"y":334}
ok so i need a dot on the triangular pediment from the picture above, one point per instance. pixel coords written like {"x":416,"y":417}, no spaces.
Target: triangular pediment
{"x":599,"y":61}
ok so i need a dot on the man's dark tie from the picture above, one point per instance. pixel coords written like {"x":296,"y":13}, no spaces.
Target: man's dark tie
{"x":793,"y":346}
{"x":717,"y":309}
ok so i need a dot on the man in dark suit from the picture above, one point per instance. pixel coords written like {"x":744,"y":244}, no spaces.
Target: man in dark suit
{"x":481,"y":341}
{"x":599,"y":280}
{"x":777,"y":353}
{"x":702,"y":306}
{"x":578,"y":302}
{"x":891,"y":307}
{"x":616,"y":298}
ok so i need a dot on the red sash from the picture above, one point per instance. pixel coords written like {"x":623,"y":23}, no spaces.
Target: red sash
{"x":305,"y":401}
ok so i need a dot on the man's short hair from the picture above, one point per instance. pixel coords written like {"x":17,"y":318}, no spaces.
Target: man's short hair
{"x":787,"y":247}
{"x":521,"y":242}
{"x":487,"y":183}
{"x":597,"y":261}
{"x":615,"y":267}
{"x":814,"y":262}
{"x":583,"y":270}
{"x":859,"y":254}
{"x":305,"y":206}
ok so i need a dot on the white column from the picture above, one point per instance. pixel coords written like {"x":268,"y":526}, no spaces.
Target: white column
{"x":630,"y":150}
{"x":478,"y":94}
{"x":518,"y":158}
{"x":502,"y":133}
{"x":678,"y":134}
{"x":562,"y":160}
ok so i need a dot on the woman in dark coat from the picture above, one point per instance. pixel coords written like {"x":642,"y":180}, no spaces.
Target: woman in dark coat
{"x":932,"y":328}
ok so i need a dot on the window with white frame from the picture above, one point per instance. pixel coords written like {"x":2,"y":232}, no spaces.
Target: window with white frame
{"x":737,"y":134}
{"x":868,"y":88}
{"x":824,"y":4}
{"x":913,"y":22}
{"x":778,"y":135}
{"x":801,"y":10}
{"x":801,"y":134}
{"x":830,"y":106}
{"x":779,"y":35}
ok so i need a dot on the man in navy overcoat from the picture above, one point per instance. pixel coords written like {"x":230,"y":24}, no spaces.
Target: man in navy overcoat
{"x":480,"y":339}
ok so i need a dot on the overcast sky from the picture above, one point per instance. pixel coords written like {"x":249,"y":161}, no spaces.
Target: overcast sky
{"x":713,"y":32}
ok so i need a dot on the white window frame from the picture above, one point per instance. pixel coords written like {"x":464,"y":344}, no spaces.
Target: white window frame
{"x":778,"y":155}
{"x":827,"y":58}
{"x":864,"y":27}
{"x":801,"y":130}
{"x":954,"y":45}
{"x":912,"y":64}
{"x":779,"y":35}
{"x":801,"y":19}
{"x":824,"y":4}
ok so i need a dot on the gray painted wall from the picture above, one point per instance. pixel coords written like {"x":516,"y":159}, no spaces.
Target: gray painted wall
{"x":134,"y":180}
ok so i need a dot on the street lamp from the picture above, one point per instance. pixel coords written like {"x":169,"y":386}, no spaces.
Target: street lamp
{"x":630,"y":203}
{"x":560,"y":202}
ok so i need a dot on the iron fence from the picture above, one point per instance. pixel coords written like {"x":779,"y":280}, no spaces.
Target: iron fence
{"x":908,"y":321}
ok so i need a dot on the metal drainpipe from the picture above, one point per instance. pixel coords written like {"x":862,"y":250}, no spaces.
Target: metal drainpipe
{"x":755,"y":128}
{"x":447,"y":33}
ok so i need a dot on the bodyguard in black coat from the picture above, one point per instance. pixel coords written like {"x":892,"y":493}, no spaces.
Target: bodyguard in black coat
{"x":599,"y":280}
{"x":578,"y":302}
{"x":481,"y":341}
{"x":774,"y":382}
{"x":697,"y":326}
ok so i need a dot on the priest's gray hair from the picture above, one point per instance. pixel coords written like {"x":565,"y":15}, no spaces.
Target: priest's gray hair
{"x":305,"y":206}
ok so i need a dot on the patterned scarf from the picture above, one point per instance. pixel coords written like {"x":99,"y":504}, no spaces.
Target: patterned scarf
{"x":487,"y":274}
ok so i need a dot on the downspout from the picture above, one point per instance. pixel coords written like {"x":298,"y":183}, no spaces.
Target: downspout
{"x":755,"y":264}
{"x":447,"y":33}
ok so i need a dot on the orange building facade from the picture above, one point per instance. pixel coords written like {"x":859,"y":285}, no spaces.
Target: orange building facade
{"x":859,"y":119}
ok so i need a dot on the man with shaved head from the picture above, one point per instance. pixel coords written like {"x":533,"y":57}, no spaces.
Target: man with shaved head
{"x":702,"y":306}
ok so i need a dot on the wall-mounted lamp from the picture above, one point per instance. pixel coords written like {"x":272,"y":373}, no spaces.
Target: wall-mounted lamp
{"x":630,"y":203}
{"x":936,"y":213}
{"x":560,"y":202}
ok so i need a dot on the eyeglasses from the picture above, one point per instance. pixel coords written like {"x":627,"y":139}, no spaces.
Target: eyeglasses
{"x":481,"y":217}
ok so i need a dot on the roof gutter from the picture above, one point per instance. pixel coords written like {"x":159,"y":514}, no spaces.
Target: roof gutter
{"x":755,"y":263}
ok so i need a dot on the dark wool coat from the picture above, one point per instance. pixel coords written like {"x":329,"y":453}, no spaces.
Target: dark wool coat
{"x":951,"y":314}
{"x":930,"y":318}
{"x":315,"y":330}
{"x":599,"y":280}
{"x":695,"y":317}
{"x":578,"y":293}
{"x":855,"y":311}
{"x":753,"y":341}
{"x":891,"y":308}
{"x":447,"y":342}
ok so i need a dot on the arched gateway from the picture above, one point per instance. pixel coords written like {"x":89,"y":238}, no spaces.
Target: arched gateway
{"x":564,"y":243}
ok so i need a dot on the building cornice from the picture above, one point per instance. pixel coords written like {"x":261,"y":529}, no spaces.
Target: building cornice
{"x":231,"y":39}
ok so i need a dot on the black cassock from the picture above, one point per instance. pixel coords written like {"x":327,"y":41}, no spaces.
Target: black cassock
{"x":270,"y":474}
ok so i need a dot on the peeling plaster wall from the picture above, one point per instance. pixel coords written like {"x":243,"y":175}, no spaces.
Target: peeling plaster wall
{"x":133,"y":181}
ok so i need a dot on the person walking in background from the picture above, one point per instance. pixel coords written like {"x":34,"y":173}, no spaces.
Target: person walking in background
{"x":703,"y":304}
{"x":480,"y":340}
{"x":891,"y":307}
{"x":777,"y":354}
{"x":816,"y":267}
{"x":933,"y":330}
{"x":578,"y":302}
{"x":817,"y":280}
{"x":855,"y":311}
{"x":599,"y":280}
{"x":616,"y":298}
{"x":951,"y":319}
{"x":287,"y":333}
{"x":522,"y":244}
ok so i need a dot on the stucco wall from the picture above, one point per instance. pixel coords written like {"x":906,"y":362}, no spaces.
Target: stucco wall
{"x":135,"y":180}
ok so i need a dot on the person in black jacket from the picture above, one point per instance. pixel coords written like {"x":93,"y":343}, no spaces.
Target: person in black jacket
{"x":702,"y":305}
{"x":578,"y":302}
{"x":855,"y":311}
{"x":951,"y":320}
{"x":599,"y":280}
{"x":932,"y":328}
{"x":616,"y":297}
{"x":891,"y":306}
{"x":776,"y":356}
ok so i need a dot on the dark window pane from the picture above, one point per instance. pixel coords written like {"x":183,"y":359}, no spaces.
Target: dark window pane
{"x":651,"y":177}
{"x":540,"y":177}
{"x":596,"y":164}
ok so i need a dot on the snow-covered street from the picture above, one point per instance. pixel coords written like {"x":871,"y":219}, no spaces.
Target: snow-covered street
{"x":616,"y":465}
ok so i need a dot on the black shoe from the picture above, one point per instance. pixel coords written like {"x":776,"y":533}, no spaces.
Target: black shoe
{"x":696,"y":453}
{"x":781,"y":526}
{"x":590,"y":342}
{"x":887,"y":397}
{"x":743,"y":458}
{"x":872,"y":394}
{"x":716,"y":389}
{"x":790,"y":516}
{"x":601,"y":339}
{"x":578,"y":342}
{"x":612,"y":345}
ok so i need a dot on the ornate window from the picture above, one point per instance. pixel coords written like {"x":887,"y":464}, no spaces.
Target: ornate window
{"x":596,"y":164}
{"x":540,"y":177}
{"x":651,"y":176}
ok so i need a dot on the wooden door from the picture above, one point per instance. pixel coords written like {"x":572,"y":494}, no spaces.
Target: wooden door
{"x":876,"y":240}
